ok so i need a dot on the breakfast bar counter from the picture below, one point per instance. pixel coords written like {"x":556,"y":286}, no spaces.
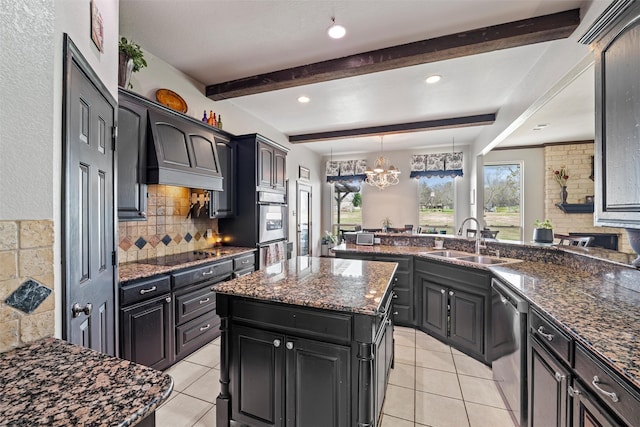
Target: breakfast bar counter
{"x":54,"y":383}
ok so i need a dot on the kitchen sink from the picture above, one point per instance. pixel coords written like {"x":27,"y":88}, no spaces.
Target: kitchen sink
{"x":481,"y":259}
{"x":448,"y":254}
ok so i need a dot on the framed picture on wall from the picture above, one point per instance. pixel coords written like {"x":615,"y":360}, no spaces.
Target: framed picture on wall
{"x":304,"y":173}
{"x":97,"y":28}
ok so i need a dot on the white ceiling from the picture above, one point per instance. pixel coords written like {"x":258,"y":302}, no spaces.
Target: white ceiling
{"x":221,"y":40}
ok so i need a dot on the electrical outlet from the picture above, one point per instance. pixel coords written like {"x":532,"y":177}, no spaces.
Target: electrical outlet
{"x":209,"y":233}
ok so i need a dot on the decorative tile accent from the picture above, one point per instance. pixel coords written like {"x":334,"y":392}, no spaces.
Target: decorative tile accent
{"x":177,"y":238}
{"x":188,"y":237}
{"x":154,"y":240}
{"x":140,"y":243}
{"x":29,"y":295}
{"x":125,"y":244}
{"x":166,"y":239}
{"x":198,"y":236}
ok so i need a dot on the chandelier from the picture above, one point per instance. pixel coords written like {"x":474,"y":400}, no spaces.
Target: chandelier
{"x":383,"y":174}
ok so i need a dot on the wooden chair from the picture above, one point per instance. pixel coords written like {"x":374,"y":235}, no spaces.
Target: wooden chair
{"x":573,"y":240}
{"x":372,"y":230}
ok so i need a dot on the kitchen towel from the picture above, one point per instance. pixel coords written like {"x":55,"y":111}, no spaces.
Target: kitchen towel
{"x":273,"y":253}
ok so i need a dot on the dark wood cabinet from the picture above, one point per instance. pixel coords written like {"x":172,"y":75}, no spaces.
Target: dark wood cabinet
{"x":280,"y":380}
{"x":466,"y":324}
{"x":434,"y":307}
{"x":272,"y":166}
{"x":614,"y":39}
{"x":146,"y":322}
{"x":223,"y":203}
{"x":586,"y":411}
{"x":131,"y":151}
{"x":548,"y":387}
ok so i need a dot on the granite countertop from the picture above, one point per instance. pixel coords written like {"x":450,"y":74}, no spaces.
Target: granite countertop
{"x":327,"y":283}
{"x":142,"y":269}
{"x":601,"y":311}
{"x":51,"y":382}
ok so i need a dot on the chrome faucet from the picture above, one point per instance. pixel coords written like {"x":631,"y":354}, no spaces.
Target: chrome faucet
{"x":479,"y":240}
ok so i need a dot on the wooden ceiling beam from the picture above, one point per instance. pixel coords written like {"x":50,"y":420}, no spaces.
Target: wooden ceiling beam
{"x":455,"y":122}
{"x":503,"y":36}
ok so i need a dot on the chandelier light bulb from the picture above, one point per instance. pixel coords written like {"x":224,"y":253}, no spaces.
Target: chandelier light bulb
{"x":336,"y":31}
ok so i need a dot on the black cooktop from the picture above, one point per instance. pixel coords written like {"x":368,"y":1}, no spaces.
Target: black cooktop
{"x":182,"y":258}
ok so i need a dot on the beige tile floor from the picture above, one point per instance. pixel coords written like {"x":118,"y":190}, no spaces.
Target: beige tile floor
{"x":430,"y":385}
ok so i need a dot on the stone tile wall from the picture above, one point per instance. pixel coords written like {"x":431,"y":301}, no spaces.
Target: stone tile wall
{"x":26,"y":255}
{"x":167,"y":229}
{"x":577,"y":158}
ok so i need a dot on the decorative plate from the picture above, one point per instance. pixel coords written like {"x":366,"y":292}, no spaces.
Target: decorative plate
{"x":171,"y":99}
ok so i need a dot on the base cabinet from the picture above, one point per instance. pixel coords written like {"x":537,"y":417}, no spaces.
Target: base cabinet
{"x":587,"y":411}
{"x":279,"y":380}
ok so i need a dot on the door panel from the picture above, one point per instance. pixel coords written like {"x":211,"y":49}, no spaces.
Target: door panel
{"x":89,"y":274}
{"x":467,"y":320}
{"x":434,"y":308}
{"x":304,"y":220}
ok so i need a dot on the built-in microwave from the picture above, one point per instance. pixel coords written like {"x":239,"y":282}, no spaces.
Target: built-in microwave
{"x":272,"y":222}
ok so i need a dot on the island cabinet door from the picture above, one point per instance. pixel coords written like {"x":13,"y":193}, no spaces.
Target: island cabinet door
{"x":257,"y":377}
{"x":318,"y":384}
{"x":467,"y":320}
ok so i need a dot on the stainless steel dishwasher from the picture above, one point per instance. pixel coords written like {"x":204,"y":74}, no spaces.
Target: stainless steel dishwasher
{"x":509,"y":348}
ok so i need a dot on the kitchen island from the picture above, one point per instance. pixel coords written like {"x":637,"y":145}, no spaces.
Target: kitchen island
{"x":306,"y":342}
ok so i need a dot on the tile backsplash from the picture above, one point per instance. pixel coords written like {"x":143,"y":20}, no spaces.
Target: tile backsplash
{"x":26,"y":265}
{"x":167,"y":229}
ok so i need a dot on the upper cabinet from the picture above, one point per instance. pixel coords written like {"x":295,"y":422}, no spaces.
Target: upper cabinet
{"x":223,"y":203}
{"x":615,"y":38}
{"x":272,"y":166}
{"x":131,"y":152}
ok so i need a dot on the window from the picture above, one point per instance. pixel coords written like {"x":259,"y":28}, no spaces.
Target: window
{"x":346,"y":206}
{"x":436,"y":204}
{"x":502,"y":199}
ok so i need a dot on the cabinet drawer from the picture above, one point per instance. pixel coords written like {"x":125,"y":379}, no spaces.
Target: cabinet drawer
{"x":551,"y":336}
{"x":626,"y":403}
{"x":144,"y":289}
{"x":306,"y":322}
{"x":195,"y":303}
{"x":243,"y":261}
{"x":403,"y":296}
{"x":244,"y":272}
{"x":404,"y":314}
{"x":194,"y":334}
{"x":402,"y":280}
{"x":199,"y":274}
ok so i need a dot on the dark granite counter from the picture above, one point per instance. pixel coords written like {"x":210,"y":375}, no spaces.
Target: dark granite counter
{"x":602,"y":311}
{"x":148,"y":268}
{"x":325,"y":283}
{"x":51,"y":382}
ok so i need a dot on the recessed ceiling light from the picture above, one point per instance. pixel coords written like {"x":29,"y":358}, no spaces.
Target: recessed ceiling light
{"x":336,"y":31}
{"x":541,"y":126}
{"x":303,"y":99}
{"x":433,"y":79}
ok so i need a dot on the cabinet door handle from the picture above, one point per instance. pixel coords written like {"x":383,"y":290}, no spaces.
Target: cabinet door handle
{"x":142,"y":214}
{"x":451,"y":293}
{"x":77,"y":309}
{"x":204,"y":301}
{"x":276,"y":343}
{"x":146,"y":291}
{"x":207,"y":273}
{"x":559,"y":377}
{"x":246,"y":261}
{"x":289,"y":345}
{"x":205,"y":327}
{"x":610,"y":394}
{"x":442,"y":291}
{"x":541,"y":331}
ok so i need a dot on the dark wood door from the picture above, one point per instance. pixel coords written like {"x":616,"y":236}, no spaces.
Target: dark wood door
{"x":132,"y":137}
{"x":223,"y":202}
{"x":548,"y":381}
{"x":147,"y":333}
{"x":279,"y":170}
{"x":265,"y":165}
{"x":467,"y":320}
{"x":318,"y":378}
{"x":88,"y":218}
{"x":434,"y":307}
{"x":257,"y":377}
{"x":587,"y":411}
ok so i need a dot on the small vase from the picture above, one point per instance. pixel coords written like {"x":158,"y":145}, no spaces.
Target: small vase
{"x":125,"y":67}
{"x":563,"y":195}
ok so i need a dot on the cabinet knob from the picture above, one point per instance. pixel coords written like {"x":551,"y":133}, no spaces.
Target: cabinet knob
{"x":388,"y":321}
{"x":142,"y":214}
{"x":276,"y":343}
{"x":168,"y":299}
{"x":77,"y":309}
{"x":395,"y":296}
{"x":289,"y":345}
{"x":451,"y":293}
{"x":442,"y":291}
{"x":559,"y":377}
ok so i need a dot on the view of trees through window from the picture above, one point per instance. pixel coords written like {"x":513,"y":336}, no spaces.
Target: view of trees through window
{"x":436,"y":204}
{"x":502,"y":200}
{"x":346,"y":207}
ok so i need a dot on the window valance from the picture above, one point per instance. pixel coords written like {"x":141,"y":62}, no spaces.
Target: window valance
{"x":346,"y":170}
{"x":439,"y":164}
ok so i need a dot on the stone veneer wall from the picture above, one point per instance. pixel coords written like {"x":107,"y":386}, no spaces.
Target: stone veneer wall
{"x":577,"y":159}
{"x":26,"y":254}
{"x":167,"y":229}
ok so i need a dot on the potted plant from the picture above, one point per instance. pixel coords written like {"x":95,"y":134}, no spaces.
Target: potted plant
{"x":438,"y":242}
{"x":386,"y":223}
{"x":543,"y":231}
{"x":328,"y":241}
{"x":131,"y":60}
